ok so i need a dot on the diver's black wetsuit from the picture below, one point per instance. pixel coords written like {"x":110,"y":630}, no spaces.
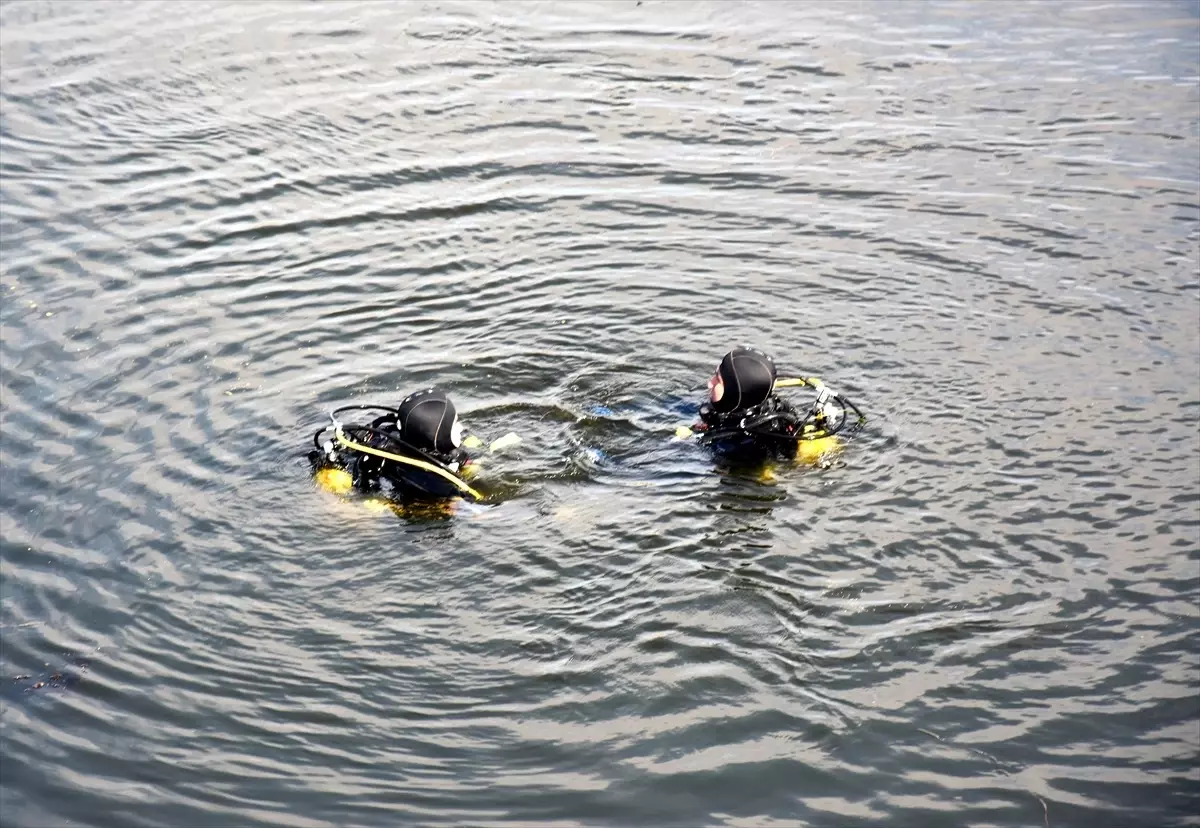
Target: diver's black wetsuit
{"x":765,"y":431}
{"x":377,"y":474}
{"x":743,"y":414}
{"x":745,"y":419}
{"x":424,"y":429}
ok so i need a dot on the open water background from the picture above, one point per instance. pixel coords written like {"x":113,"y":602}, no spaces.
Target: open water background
{"x":980,"y":221}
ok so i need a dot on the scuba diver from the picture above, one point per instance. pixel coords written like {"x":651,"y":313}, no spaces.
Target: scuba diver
{"x":417,"y":451}
{"x":745,"y":418}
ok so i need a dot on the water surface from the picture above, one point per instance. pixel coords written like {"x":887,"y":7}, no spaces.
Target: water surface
{"x":980,"y":221}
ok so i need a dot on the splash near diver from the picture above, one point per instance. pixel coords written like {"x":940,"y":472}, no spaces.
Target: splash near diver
{"x":745,"y":418}
{"x":417,"y":451}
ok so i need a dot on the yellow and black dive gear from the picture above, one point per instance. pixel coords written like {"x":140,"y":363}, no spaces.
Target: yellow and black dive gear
{"x":376,"y":458}
{"x":775,"y":425}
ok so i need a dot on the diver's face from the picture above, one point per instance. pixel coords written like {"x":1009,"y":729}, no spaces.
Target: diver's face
{"x":716,"y":388}
{"x":456,"y":432}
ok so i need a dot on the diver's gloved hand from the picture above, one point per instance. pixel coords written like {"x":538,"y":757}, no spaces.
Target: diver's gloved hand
{"x":507,"y":441}
{"x":471,"y":467}
{"x":472,"y":441}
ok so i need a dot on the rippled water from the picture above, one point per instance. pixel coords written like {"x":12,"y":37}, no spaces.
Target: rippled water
{"x":980,"y":221}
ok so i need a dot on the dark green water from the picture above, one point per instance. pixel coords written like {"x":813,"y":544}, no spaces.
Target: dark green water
{"x":217,"y":220}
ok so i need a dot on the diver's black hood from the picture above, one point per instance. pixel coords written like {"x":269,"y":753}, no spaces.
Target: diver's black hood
{"x":749,"y":378}
{"x":427,"y":421}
